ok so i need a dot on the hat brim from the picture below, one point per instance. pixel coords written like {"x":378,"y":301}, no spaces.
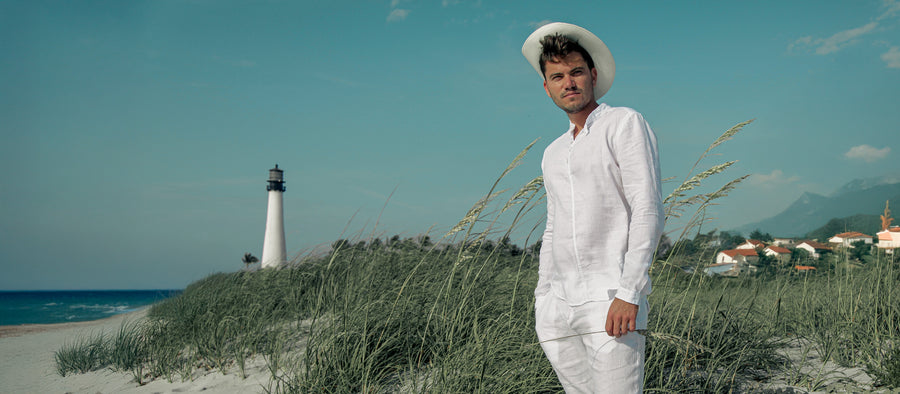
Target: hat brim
{"x":603,"y":60}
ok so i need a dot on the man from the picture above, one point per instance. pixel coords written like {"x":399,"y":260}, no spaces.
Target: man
{"x":604,"y":219}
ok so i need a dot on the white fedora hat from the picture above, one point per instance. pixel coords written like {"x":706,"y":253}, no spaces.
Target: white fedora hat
{"x":603,"y":60}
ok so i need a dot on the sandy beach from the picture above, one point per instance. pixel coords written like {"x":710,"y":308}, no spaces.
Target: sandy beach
{"x":27,"y":364}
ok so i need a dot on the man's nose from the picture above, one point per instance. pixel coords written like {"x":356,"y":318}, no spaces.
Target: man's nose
{"x":569,"y":83}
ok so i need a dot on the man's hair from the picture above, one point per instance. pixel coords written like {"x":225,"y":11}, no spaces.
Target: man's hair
{"x":557,"y":46}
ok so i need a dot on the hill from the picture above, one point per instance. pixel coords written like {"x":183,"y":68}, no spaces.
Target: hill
{"x":812,"y":211}
{"x":866,"y":224}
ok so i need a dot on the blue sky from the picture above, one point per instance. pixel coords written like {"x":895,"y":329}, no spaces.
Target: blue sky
{"x":136,"y":136}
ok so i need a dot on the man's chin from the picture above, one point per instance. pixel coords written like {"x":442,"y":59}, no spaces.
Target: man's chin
{"x":573,"y":109}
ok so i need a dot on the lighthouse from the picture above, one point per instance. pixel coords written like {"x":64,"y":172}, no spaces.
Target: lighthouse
{"x":274,"y":253}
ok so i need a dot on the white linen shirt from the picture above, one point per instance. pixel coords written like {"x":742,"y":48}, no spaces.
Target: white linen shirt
{"x":604,"y":209}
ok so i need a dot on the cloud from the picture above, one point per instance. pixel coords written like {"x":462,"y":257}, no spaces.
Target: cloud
{"x":892,"y":7}
{"x":867,"y":153}
{"x":843,"y":39}
{"x":773,"y":179}
{"x":849,"y":37}
{"x":892,"y":57}
{"x":836,"y":42}
{"x":539,"y":23}
{"x":397,"y":15}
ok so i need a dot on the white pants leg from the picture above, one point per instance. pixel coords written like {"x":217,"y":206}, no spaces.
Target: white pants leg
{"x":586,"y":359}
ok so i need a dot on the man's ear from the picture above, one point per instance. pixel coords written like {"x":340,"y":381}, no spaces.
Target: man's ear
{"x":593,"y":77}
{"x":547,"y":90}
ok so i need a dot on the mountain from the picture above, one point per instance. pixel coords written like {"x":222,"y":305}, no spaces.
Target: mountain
{"x":866,"y":184}
{"x":866,"y":224}
{"x":811,"y":210}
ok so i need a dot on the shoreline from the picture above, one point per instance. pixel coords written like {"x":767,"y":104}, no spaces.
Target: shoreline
{"x":15,"y":330}
{"x":28,"y":364}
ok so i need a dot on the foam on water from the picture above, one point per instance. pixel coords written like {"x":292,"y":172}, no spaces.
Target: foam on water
{"x":46,"y":307}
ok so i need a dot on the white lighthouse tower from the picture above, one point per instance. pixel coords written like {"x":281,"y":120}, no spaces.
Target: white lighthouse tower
{"x":274,"y":253}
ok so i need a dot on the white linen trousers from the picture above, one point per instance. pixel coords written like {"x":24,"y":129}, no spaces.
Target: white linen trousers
{"x":584,"y":357}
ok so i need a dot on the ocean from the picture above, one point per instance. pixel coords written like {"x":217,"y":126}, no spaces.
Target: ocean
{"x":48,"y":307}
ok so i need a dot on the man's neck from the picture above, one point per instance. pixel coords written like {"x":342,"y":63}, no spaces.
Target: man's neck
{"x":580,"y":117}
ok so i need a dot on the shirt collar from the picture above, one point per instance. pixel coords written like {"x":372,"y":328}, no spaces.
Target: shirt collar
{"x":595,"y":114}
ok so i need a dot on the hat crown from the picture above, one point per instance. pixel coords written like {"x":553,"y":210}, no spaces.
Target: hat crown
{"x":600,"y":54}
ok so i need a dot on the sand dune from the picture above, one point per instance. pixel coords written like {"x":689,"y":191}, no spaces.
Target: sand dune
{"x":27,"y":365}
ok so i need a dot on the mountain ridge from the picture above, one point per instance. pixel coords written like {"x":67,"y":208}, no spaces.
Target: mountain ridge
{"x":812,"y":211}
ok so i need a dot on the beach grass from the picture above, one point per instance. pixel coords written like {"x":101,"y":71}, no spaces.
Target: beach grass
{"x":411,"y":316}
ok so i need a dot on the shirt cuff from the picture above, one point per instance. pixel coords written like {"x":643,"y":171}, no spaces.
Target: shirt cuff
{"x":631,"y":297}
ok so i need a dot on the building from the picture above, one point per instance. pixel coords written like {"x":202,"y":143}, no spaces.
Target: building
{"x":737,"y":256}
{"x":779,"y":253}
{"x":814,"y":248}
{"x":274,"y":252}
{"x":847,"y":239}
{"x":889,"y":239}
{"x":751,"y":244}
{"x":725,"y":269}
{"x":783,"y":242}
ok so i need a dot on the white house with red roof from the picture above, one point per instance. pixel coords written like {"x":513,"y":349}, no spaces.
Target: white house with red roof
{"x":889,"y":239}
{"x":739,"y":256}
{"x":814,"y":248}
{"x":847,"y":239}
{"x":732,"y":262}
{"x":751,"y":244}
{"x":779,"y":253}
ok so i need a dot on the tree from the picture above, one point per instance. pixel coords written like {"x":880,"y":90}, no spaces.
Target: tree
{"x":339,"y":244}
{"x":860,"y":249}
{"x":249,"y":259}
{"x":764,"y":262}
{"x":728,"y":240}
{"x":760,"y":236}
{"x":535,"y":248}
{"x":394,"y":242}
{"x":663,"y":247}
{"x":800,"y":256}
{"x":425,"y":241}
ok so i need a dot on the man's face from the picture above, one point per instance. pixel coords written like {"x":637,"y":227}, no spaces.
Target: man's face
{"x":570,"y":83}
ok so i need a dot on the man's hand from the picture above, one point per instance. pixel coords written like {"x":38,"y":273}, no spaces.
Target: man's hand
{"x":621,"y":318}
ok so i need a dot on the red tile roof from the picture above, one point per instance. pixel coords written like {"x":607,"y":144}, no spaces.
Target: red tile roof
{"x":851,"y":234}
{"x":804,"y":268}
{"x":778,"y":249}
{"x":743,"y":252}
{"x":816,"y":245}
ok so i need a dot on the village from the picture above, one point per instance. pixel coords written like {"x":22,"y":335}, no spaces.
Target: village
{"x":802,"y":255}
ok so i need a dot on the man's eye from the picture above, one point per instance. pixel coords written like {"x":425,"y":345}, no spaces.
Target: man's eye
{"x":577,"y":72}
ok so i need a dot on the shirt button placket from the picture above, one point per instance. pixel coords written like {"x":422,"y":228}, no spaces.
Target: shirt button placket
{"x":572,"y":200}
